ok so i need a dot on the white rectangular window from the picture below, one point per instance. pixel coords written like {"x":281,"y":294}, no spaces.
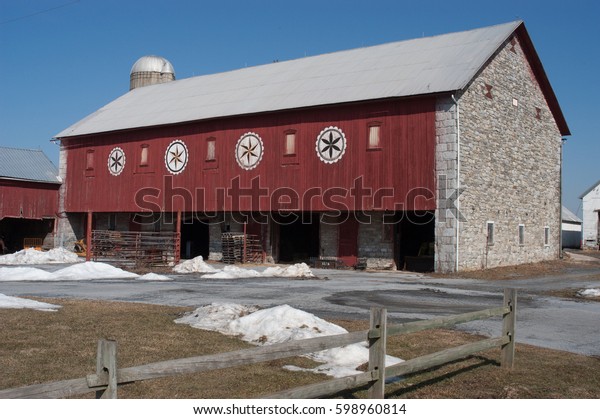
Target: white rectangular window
{"x":290,"y":144}
{"x":374,"y":136}
{"x":144,"y":155}
{"x":490,"y":233}
{"x":546,"y":236}
{"x":521,"y":234}
{"x":210,"y":150}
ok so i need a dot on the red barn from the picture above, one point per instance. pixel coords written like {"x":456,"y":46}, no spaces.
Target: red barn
{"x":353,"y":156}
{"x":29,"y":186}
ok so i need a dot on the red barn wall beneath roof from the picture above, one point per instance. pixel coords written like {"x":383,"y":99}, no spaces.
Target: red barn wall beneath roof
{"x":403,"y":166}
{"x":30,"y":200}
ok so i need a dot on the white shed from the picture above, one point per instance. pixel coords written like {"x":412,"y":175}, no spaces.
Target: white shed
{"x":570,"y":229}
{"x":591,"y":216}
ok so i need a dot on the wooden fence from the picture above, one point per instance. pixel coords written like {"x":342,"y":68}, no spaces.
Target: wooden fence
{"x":107,"y":377}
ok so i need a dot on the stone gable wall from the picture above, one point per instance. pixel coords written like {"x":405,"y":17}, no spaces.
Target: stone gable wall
{"x":510,"y":152}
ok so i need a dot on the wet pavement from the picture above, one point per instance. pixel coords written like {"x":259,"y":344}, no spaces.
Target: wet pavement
{"x":542,"y":320}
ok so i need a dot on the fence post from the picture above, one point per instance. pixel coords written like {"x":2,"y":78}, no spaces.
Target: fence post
{"x":508,"y":328}
{"x":377,"y":348}
{"x":106,"y":365}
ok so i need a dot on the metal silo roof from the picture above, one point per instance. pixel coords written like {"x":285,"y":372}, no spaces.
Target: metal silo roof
{"x":152,"y":63}
{"x":437,"y":64}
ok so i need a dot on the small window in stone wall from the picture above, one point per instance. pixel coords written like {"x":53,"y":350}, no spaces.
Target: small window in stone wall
{"x":490,"y":233}
{"x":521,"y":235}
{"x":546,"y":236}
{"x":487,"y":90}
{"x":538,"y":113}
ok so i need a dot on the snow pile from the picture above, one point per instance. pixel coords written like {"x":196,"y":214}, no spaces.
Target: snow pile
{"x":216,"y":316}
{"x":154,"y":277}
{"x":232,"y":272}
{"x":78,"y":272}
{"x":194,"y":265}
{"x":282,"y":324}
{"x":15,"y":302}
{"x":36,"y":257}
{"x":24,"y":274}
{"x":299,"y":270}
{"x":590,"y":292}
{"x":92,"y":270}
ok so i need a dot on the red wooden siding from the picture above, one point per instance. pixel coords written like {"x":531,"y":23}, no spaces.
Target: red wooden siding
{"x":20,"y":199}
{"x":405,"y":161}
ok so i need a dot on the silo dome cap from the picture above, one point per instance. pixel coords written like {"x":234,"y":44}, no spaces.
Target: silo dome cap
{"x":152,"y":63}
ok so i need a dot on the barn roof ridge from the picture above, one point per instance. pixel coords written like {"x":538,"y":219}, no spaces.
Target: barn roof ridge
{"x":421,"y":66}
{"x":588,"y":190}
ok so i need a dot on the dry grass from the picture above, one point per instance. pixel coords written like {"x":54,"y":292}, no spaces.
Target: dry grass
{"x":46,"y":346}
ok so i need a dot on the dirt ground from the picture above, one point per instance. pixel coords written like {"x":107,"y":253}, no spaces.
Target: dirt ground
{"x":42,"y":346}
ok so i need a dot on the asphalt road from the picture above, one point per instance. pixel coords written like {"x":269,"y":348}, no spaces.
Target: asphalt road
{"x":542,"y":320}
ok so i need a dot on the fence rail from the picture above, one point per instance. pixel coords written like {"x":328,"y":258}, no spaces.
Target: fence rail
{"x":107,"y":377}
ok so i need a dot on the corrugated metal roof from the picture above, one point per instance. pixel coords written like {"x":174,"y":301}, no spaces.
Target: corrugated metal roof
{"x":570,"y":217}
{"x":436,"y":64}
{"x":23,"y":164}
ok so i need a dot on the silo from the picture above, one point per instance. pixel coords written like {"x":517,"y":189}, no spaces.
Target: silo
{"x":150,"y":69}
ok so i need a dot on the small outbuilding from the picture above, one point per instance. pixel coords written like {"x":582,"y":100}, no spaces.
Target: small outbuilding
{"x":571,"y":229}
{"x":591,"y":216}
{"x":29,"y":185}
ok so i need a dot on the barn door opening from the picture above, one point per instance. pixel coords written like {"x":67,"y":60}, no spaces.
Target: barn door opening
{"x":348,"y":241}
{"x":414,"y":241}
{"x":194,"y":238}
{"x":298,"y":237}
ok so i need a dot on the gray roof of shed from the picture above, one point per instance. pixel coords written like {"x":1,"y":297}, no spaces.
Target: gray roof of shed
{"x":27,"y":165}
{"x":569,"y":217}
{"x":437,"y":64}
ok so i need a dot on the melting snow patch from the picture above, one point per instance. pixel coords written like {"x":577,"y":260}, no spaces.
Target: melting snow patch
{"x":232,"y":272}
{"x":299,"y":270}
{"x":590,"y":292}
{"x":36,"y":257}
{"x":282,"y":324}
{"x":15,"y":302}
{"x":78,"y":272}
{"x":24,"y":274}
{"x":154,"y":277}
{"x":92,"y":270}
{"x":194,"y":265}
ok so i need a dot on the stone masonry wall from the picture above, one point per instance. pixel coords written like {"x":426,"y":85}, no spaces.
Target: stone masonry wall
{"x":446,"y":177}
{"x":509,"y":166}
{"x":372,"y":244}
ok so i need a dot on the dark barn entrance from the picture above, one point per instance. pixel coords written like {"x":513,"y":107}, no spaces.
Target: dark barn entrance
{"x":194,"y":238}
{"x":298,"y":237}
{"x":414,"y":241}
{"x":16,"y":231}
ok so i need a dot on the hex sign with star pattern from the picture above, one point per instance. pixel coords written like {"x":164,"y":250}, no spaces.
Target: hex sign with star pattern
{"x":116,"y":161}
{"x":331,"y":145}
{"x":249,"y":151}
{"x":176,"y":157}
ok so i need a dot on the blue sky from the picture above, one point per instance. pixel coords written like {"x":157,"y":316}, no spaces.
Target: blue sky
{"x":61,"y":60}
